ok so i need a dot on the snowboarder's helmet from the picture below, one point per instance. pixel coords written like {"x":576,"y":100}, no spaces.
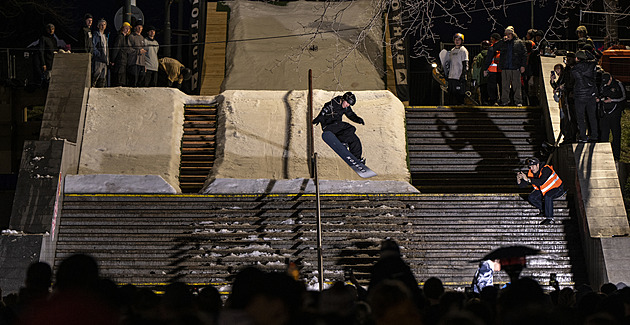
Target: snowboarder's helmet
{"x":350,"y":98}
{"x":458,"y":35}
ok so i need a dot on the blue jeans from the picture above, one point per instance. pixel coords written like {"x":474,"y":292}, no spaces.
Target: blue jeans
{"x":537,"y":199}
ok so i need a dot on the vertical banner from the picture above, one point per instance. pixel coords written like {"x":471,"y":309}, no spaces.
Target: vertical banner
{"x":399,"y":49}
{"x":197,"y":40}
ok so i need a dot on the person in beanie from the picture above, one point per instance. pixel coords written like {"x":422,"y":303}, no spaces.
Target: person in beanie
{"x":151,"y":58}
{"x":330,"y":117}
{"x":100,"y":60}
{"x":457,"y":63}
{"x":173,"y":71}
{"x":492,"y":71}
{"x":118,"y":57}
{"x":512,"y":64}
{"x":547,"y":187}
{"x":612,"y":97}
{"x":84,"y":39}
{"x":136,"y":58}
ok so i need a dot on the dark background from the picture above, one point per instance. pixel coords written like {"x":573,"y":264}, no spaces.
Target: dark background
{"x":22,"y":22}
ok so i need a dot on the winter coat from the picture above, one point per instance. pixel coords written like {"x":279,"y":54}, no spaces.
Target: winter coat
{"x":119,"y":52}
{"x":513,"y":54}
{"x":332,"y":113}
{"x":584,"y":73}
{"x":616,"y":92}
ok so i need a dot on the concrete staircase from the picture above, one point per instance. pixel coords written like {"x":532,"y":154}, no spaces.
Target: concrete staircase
{"x":471,"y":149}
{"x":198,"y":146}
{"x":151,"y":240}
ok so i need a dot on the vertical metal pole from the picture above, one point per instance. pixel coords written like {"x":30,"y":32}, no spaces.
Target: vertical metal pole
{"x":167,"y":29}
{"x":310,"y":134}
{"x":318,"y":213}
{"x":127,"y":12}
{"x":312,"y":155}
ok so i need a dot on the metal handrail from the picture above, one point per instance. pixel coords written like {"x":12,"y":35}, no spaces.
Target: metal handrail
{"x":314,"y":175}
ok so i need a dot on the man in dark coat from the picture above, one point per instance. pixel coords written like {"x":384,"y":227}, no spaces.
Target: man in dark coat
{"x":330,"y":117}
{"x":47,"y":48}
{"x":84,"y":39}
{"x":118,"y":56}
{"x":512,"y":63}
{"x":584,"y":92}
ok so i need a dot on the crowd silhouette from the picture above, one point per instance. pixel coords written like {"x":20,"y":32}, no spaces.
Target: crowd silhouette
{"x":80,"y":296}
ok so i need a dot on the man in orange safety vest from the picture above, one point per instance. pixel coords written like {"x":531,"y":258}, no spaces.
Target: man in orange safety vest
{"x":547,"y":187}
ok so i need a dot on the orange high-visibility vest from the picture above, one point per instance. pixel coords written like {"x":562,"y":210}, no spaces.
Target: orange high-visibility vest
{"x":552,"y":182}
{"x":494,"y":66}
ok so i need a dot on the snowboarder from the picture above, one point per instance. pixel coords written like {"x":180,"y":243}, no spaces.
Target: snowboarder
{"x":330,"y":117}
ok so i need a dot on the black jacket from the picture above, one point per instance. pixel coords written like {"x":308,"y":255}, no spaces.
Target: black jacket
{"x":584,"y":73}
{"x":518,"y":57}
{"x":47,"y":48}
{"x":84,"y":44}
{"x":332,"y":113}
{"x":118,"y":52}
{"x":616,"y":92}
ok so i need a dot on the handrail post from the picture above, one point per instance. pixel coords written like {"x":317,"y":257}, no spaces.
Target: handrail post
{"x":318,"y":213}
{"x":312,"y":168}
{"x":310,"y":132}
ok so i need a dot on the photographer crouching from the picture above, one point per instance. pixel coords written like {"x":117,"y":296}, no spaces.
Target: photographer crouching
{"x":547,"y":187}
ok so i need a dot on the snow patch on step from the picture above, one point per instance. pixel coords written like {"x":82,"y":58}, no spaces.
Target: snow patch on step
{"x":117,"y":184}
{"x":302,"y":185}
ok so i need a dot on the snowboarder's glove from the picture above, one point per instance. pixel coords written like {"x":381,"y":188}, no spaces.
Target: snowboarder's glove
{"x":361,"y":121}
{"x":315,"y":121}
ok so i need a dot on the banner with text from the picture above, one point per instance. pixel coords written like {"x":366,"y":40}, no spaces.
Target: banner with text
{"x":197,"y":40}
{"x":399,"y":49}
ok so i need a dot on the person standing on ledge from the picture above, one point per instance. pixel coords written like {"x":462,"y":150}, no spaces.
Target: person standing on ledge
{"x":547,"y":187}
{"x":330,"y":117}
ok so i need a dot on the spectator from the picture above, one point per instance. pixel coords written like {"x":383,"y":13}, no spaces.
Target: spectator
{"x":583,"y":38}
{"x":136,"y":57}
{"x":493,"y":71}
{"x":531,"y":76}
{"x":484,"y":276}
{"x":512,"y":63}
{"x":612,"y":98}
{"x":480,"y":79}
{"x":584,"y":92}
{"x":456,"y":69}
{"x":393,"y":303}
{"x":119,"y":53}
{"x":543,"y":45}
{"x":100,"y":59}
{"x":47,"y":49}
{"x":391,"y":266}
{"x":84,"y":38}
{"x":173,"y":71}
{"x":569,"y":126}
{"x":151,"y":58}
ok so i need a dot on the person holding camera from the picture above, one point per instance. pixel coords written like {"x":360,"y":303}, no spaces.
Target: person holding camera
{"x":612,"y":96}
{"x":547,"y":187}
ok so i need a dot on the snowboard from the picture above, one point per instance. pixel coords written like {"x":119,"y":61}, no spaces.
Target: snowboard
{"x":354,"y":163}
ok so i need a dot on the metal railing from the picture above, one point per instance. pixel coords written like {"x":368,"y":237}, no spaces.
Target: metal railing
{"x":314,"y":175}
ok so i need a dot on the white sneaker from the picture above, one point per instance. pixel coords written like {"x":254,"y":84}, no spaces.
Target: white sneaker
{"x":519,"y":105}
